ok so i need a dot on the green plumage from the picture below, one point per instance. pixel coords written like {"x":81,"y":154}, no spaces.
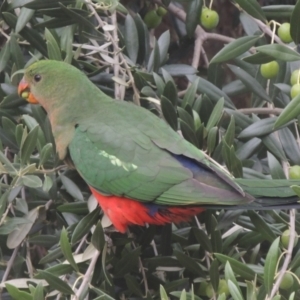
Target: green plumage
{"x":124,"y":150}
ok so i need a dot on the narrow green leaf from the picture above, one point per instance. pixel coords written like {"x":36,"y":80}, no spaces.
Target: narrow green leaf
{"x":214,"y":93}
{"x":46,"y":152}
{"x":216,"y":114}
{"x":258,"y":58}
{"x":39,"y":292}
{"x":51,"y":256}
{"x":230,"y":132}
{"x":32,"y":181}
{"x":56,"y":282}
{"x":273,"y":145}
{"x":250,"y":82}
{"x":133,"y":285}
{"x":275,"y":167}
{"x":52,"y":46}
{"x":16,"y":237}
{"x":29,"y":144}
{"x":23,"y":18}
{"x":128,"y":262}
{"x":214,"y":274}
{"x":275,"y":12}
{"x":202,"y":239}
{"x":192,"y":16}
{"x":79,"y":208}
{"x":163,"y":293}
{"x":170,"y":92}
{"x":163,"y":46}
{"x":236,"y":165}
{"x":235,"y":49}
{"x":98,"y":239}
{"x":17,"y":56}
{"x":160,"y":85}
{"x":295,"y":26}
{"x":16,"y":294}
{"x":229,"y":275}
{"x":154,"y":59}
{"x":85,"y":225}
{"x":4,"y":57}
{"x":131,"y":38}
{"x":189,"y":96}
{"x":71,"y":188}
{"x":188,"y":263}
{"x":60,"y":269}
{"x":238,"y":267}
{"x":169,"y":112}
{"x":251,"y":291}
{"x":188,"y":133}
{"x":186,"y":117}
{"x":234,"y":291}
{"x":253,"y":8}
{"x":270,"y":265}
{"x":66,"y":249}
{"x":280,"y":52}
{"x":178,"y":70}
{"x":39,"y":4}
{"x":212,"y":139}
{"x":259,"y":128}
{"x":291,"y":111}
{"x":29,"y":34}
{"x":289,"y":145}
{"x":261,"y":226}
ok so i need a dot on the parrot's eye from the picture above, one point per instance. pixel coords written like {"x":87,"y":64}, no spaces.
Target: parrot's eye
{"x":37,"y":77}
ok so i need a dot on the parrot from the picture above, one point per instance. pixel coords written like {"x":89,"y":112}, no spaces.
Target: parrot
{"x":138,"y":168}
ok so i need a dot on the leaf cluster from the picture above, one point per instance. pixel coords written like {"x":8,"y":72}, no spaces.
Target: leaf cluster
{"x":55,"y":241}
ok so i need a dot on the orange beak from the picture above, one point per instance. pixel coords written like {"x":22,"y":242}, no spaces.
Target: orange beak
{"x":24,"y":92}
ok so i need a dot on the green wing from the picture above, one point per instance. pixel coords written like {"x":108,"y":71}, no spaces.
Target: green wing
{"x":129,"y":152}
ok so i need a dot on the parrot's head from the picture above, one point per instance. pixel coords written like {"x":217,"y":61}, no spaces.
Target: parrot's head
{"x":47,"y":82}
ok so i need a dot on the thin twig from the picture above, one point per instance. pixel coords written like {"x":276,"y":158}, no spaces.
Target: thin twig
{"x":87,"y":275}
{"x":10,"y":263}
{"x":116,"y":55}
{"x":261,"y":110}
{"x":288,"y":256}
{"x":28,"y":260}
{"x":267,"y":30}
{"x":122,"y":59}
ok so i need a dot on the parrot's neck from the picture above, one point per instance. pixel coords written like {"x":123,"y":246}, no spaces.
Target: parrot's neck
{"x":65,"y":115}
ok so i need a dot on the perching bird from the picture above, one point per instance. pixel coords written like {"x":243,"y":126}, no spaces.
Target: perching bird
{"x":137,"y":167}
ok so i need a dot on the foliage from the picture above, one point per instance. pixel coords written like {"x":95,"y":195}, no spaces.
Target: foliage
{"x":55,"y":241}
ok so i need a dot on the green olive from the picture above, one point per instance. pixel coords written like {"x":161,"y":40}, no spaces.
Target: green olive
{"x":152,"y":19}
{"x":295,"y":77}
{"x":287,"y":281}
{"x":284,"y":32}
{"x":161,"y":11}
{"x":285,"y":238}
{"x":223,"y":288}
{"x":295,"y":90}
{"x":209,"y":18}
{"x":269,"y":70}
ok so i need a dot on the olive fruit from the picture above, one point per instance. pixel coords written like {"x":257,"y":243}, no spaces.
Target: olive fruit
{"x":287,"y":281}
{"x":161,"y":11}
{"x":284,"y":32}
{"x":295,"y":90}
{"x":152,"y":19}
{"x":270,"y":69}
{"x":294,"y":77}
{"x":209,"y":18}
{"x":285,"y":238}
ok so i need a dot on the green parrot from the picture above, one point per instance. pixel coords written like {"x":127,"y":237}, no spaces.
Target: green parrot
{"x":137,"y":167}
